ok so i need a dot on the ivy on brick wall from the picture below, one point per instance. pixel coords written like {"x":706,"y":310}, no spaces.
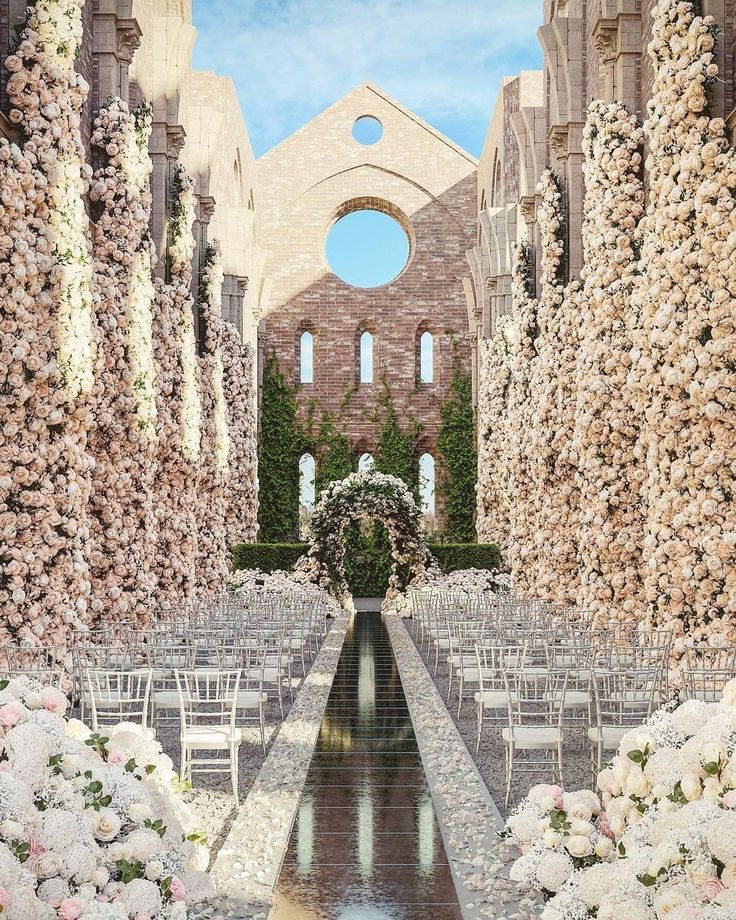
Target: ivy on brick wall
{"x":330,"y":446}
{"x":458,"y":460}
{"x":278,"y":458}
{"x":396,"y":452}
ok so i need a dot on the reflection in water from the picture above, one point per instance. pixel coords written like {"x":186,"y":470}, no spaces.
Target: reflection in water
{"x":305,"y":835}
{"x":366,"y":681}
{"x":366,"y":845}
{"x":425,"y":837}
{"x":365,"y":833}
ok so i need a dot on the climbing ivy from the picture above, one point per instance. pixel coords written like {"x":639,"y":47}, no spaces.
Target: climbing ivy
{"x":397,"y":449}
{"x":330,"y":446}
{"x":278,"y":458}
{"x":458,"y":461}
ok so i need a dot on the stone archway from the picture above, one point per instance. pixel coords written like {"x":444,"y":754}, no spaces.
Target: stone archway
{"x":366,"y":496}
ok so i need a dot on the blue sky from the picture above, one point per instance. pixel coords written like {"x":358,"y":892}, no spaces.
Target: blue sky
{"x":290,"y":59}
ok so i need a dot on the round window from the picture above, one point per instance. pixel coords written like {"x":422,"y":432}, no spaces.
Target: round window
{"x":367,"y":248}
{"x":367,"y":130}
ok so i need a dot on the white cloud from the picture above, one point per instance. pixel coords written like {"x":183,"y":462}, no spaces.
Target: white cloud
{"x":292,"y":58}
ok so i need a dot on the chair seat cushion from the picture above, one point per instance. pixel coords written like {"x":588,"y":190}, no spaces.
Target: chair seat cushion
{"x":610,"y":735}
{"x":166,"y":699}
{"x":250,"y":699}
{"x":576,"y":699}
{"x":493,"y":699}
{"x":211,"y":737}
{"x":532,"y":736}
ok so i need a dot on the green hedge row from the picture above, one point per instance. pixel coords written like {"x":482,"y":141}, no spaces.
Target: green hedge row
{"x":367,"y":571}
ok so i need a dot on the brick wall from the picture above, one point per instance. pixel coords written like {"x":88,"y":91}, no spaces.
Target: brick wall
{"x":427,"y":296}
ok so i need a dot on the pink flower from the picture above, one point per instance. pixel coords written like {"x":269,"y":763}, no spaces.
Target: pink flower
{"x":10,"y":714}
{"x":70,"y":909}
{"x":3,"y":898}
{"x":53,"y":701}
{"x":729,"y":799}
{"x":177,"y":889}
{"x":712,"y":888}
{"x":37,"y":849}
{"x":115,"y":755}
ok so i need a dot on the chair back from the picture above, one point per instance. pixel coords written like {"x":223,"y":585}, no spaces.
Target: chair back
{"x":118,"y":696}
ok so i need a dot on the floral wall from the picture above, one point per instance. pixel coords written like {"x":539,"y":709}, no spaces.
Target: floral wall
{"x":607,"y":441}
{"x":110,"y":419}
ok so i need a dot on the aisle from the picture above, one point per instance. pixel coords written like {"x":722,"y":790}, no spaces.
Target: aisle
{"x":366,"y":845}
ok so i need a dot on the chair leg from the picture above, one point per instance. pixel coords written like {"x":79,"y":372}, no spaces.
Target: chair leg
{"x":509,"y":772}
{"x":480,"y":727}
{"x":234,"y":773}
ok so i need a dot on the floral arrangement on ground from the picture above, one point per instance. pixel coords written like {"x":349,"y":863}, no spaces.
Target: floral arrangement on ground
{"x":92,"y":824}
{"x":659,"y":840}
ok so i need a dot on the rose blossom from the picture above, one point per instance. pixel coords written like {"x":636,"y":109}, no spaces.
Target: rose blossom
{"x":178,"y":891}
{"x":70,"y":909}
{"x":11,"y":714}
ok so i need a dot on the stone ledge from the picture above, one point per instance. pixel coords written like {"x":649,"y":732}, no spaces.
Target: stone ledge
{"x":247,"y":867}
{"x":469,"y":820}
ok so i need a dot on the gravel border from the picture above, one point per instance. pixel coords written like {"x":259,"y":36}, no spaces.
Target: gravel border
{"x":246,"y":870}
{"x":468,"y":817}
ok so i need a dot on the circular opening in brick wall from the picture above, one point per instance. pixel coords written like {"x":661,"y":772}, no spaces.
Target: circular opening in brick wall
{"x":367,"y":130}
{"x":367,"y":248}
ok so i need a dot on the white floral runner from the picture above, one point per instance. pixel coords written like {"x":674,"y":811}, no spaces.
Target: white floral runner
{"x":247,"y":867}
{"x":468,"y":817}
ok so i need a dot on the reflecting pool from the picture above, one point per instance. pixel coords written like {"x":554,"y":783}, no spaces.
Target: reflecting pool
{"x":365,"y":844}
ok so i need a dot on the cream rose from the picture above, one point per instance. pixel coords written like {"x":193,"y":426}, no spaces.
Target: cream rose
{"x":579,"y":846}
{"x":107,"y":825}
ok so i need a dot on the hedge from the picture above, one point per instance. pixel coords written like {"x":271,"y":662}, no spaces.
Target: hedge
{"x":367,"y":573}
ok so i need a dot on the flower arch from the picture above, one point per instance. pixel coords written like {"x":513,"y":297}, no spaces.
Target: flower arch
{"x":364,"y":496}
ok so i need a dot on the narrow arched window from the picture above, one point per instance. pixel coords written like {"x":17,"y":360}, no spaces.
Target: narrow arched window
{"x":366,"y":358}
{"x":306,"y":358}
{"x":426,"y":484}
{"x":426,"y":358}
{"x":366,"y":463}
{"x":307,"y":470}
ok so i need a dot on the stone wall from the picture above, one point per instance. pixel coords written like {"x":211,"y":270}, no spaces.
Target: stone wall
{"x":429,"y":185}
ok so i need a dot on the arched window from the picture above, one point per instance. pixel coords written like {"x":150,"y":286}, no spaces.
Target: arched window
{"x":426,"y":358}
{"x":426,"y":484}
{"x":366,"y":358}
{"x":306,"y":358}
{"x":307,"y":470}
{"x":366,"y":463}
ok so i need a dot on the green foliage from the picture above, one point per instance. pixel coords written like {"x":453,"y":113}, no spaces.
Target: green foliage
{"x":330,"y":447}
{"x":268,"y":557}
{"x":367,"y":558}
{"x":453,"y":556}
{"x":458,"y":459}
{"x":278,"y":458}
{"x":397,"y":453}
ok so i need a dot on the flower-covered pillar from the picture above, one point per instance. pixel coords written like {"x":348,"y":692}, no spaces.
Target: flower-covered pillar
{"x":521,"y":431}
{"x":47,"y":330}
{"x":241,"y":510}
{"x":494,"y":447}
{"x":685,"y":343}
{"x":606,"y":428}
{"x":544,"y":410}
{"x":123,"y":438}
{"x":213,"y":474}
{"x":179,"y":407}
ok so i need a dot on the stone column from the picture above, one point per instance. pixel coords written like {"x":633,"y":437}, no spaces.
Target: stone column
{"x":116,"y":36}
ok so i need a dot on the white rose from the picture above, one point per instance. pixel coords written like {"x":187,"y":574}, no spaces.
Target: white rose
{"x":603,"y":847}
{"x":581,"y":828}
{"x":32,"y":700}
{"x":11,"y":830}
{"x":579,"y":846}
{"x":637,"y":783}
{"x":547,"y":803}
{"x":668,"y":901}
{"x":728,"y":876}
{"x":107,"y":825}
{"x":713,"y":753}
{"x":139,"y":812}
{"x":691,"y":786}
{"x":551,"y":838}
{"x":76,"y":730}
{"x":47,"y":865}
{"x":71,"y":764}
{"x":154,"y":870}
